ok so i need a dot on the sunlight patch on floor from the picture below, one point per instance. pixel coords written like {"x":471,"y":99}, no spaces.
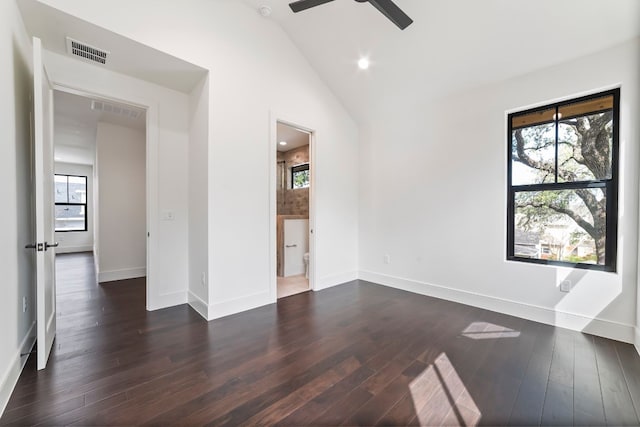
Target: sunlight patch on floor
{"x":441,"y":398}
{"x":488,"y":331}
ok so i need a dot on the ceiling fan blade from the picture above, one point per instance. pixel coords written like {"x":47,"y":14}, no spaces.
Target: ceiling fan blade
{"x":393,"y":12}
{"x":300,"y":5}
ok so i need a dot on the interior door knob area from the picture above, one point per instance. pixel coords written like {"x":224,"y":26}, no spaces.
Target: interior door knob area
{"x":53,"y":245}
{"x":39,"y":247}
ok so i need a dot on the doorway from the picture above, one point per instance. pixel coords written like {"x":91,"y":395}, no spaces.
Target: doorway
{"x":100,"y":185}
{"x":293,"y":217}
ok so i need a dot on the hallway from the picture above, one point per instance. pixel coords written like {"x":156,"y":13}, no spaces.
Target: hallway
{"x":103,"y":347}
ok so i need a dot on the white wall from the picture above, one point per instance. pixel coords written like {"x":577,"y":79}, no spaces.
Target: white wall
{"x":121,"y":176}
{"x":167,"y":145}
{"x":73,"y":154}
{"x":198,"y":200}
{"x":73,"y":145}
{"x":17,"y":332}
{"x":255,"y":70}
{"x":433,"y":197}
{"x":77,"y":241}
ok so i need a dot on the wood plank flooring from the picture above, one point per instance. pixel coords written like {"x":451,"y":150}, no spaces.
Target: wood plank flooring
{"x":357,"y":354}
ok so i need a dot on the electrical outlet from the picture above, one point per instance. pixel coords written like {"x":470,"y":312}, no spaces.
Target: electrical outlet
{"x":24,"y":304}
{"x":387,"y":259}
{"x":565,"y":286}
{"x":203,"y":279}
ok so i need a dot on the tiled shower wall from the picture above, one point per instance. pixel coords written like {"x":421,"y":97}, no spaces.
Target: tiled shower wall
{"x":292,"y":202}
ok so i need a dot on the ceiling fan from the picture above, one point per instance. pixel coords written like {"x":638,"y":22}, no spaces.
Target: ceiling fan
{"x":387,"y":7}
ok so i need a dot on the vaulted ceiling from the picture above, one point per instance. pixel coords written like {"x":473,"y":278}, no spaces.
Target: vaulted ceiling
{"x":453,"y":45}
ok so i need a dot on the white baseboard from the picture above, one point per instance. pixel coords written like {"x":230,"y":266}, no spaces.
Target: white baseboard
{"x":200,"y":306}
{"x":229,"y":307}
{"x":335,"y":280}
{"x":127,"y":273}
{"x":605,"y":328}
{"x":73,"y":249}
{"x":11,"y":375}
{"x":96,"y":266}
{"x":637,"y":340}
{"x":171,"y":299}
{"x":249,"y":302}
{"x":237,"y":305}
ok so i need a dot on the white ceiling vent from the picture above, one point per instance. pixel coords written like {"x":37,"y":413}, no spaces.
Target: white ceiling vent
{"x":120,"y":110}
{"x":83,"y":50}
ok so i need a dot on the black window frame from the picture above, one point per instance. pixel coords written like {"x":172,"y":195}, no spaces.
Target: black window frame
{"x":611,"y":185}
{"x":300,"y":168}
{"x":85,"y":204}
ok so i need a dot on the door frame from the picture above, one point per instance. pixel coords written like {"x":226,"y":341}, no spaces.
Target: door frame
{"x":151,"y":184}
{"x":274,"y":119}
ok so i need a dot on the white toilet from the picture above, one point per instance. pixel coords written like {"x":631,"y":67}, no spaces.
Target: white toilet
{"x":305,"y":257}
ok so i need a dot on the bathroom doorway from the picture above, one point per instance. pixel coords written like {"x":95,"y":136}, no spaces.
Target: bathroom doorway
{"x":293,"y":191}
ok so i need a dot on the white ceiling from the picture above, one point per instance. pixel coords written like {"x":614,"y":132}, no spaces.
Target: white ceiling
{"x":74,"y":112}
{"x":126,"y":56}
{"x":75,"y":126}
{"x":293,"y":137}
{"x":453,"y":45}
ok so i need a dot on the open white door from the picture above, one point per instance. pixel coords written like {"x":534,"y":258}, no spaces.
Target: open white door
{"x":43,"y":193}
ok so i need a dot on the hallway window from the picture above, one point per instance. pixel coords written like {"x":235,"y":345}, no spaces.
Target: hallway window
{"x":563,"y":183}
{"x":70,"y":203}
{"x":300,"y":176}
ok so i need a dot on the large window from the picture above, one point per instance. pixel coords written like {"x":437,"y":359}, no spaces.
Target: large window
{"x":71,"y":203}
{"x":563,"y":183}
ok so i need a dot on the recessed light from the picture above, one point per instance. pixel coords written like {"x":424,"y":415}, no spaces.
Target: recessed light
{"x":363,"y":63}
{"x":283,"y":142}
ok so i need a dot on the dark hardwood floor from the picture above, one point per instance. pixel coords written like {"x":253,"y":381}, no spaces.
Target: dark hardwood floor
{"x":357,"y":354}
